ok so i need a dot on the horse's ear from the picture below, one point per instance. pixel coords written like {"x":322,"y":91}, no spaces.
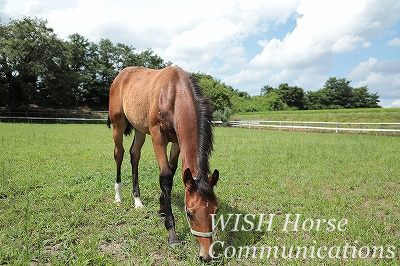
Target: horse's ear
{"x":187,"y":177}
{"x":214,"y":177}
{"x":188,"y":180}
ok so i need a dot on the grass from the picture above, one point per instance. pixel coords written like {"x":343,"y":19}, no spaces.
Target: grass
{"x":370,"y":115}
{"x":56,"y":196}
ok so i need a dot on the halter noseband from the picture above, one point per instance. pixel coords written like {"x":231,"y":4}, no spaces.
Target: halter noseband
{"x":197,"y":233}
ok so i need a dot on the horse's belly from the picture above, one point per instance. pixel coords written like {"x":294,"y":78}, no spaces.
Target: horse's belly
{"x":141,"y":128}
{"x":135,"y":107}
{"x":138,"y":119}
{"x":140,"y":124}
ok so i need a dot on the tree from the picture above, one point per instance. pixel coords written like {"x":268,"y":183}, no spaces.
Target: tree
{"x":291,"y":96}
{"x":274,"y":102}
{"x":337,"y":93}
{"x":149,"y":59}
{"x":361,"y":98}
{"x":33,"y":64}
{"x":36,"y":67}
{"x":313,"y":100}
{"x":266,"y":89}
{"x":223,"y":115}
{"x":80,"y":61}
{"x":219,"y":93}
{"x":105,"y":70}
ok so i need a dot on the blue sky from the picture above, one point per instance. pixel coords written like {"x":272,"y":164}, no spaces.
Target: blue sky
{"x":249,"y":43}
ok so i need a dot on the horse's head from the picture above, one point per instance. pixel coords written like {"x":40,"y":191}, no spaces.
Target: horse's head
{"x":200,"y":203}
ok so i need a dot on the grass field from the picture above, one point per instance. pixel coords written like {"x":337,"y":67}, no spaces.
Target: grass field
{"x":370,"y":115}
{"x":56,"y":197}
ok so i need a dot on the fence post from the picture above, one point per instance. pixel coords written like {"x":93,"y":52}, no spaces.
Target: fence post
{"x":337,"y":127}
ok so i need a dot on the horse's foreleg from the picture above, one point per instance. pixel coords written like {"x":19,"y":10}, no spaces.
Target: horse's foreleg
{"x":173,"y":164}
{"x":136,"y":147}
{"x":173,"y":157}
{"x":166,"y":180}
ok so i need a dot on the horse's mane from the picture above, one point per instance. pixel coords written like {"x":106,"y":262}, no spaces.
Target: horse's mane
{"x":204,"y":112}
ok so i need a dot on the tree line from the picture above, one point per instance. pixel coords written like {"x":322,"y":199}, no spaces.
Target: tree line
{"x":335,"y":94}
{"x":40,"y":69}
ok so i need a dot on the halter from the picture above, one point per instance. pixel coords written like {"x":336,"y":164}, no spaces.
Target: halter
{"x":197,"y":233}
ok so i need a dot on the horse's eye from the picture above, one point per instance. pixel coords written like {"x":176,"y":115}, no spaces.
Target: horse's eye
{"x":217,"y":210}
{"x":189,"y":214}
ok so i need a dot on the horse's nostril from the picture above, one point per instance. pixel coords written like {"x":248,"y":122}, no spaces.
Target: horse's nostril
{"x":201,"y":258}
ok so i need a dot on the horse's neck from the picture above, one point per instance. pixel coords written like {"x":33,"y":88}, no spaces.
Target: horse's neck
{"x":189,"y":158}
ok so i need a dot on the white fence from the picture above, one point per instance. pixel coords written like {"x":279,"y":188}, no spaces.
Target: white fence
{"x":320,"y":126}
{"x":52,"y":120}
{"x":44,"y":120}
{"x":279,"y":125}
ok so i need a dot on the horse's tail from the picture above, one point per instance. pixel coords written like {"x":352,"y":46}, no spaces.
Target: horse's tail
{"x":109,"y":122}
{"x":128,"y":129}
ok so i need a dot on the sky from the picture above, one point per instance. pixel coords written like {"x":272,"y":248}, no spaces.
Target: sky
{"x":246,"y":44}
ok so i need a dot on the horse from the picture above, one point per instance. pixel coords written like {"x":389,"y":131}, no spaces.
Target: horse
{"x":169,"y":105}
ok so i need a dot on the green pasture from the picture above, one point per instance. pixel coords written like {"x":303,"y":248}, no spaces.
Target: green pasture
{"x":57,"y":191}
{"x":369,"y":115}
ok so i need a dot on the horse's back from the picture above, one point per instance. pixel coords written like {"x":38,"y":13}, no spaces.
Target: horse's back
{"x":142,"y":95}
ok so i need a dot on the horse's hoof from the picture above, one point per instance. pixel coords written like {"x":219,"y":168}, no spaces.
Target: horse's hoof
{"x":175,"y":244}
{"x":117,"y":201}
{"x":138,"y":203}
{"x":173,"y":240}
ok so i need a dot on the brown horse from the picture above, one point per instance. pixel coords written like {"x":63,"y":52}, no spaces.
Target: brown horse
{"x":168,"y":105}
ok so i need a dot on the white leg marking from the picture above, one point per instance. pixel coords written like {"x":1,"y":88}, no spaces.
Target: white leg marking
{"x":138,"y":203}
{"x":118,"y":189}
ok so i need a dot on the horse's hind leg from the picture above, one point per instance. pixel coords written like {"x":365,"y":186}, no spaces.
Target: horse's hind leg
{"x":118,"y":132}
{"x":136,"y":147}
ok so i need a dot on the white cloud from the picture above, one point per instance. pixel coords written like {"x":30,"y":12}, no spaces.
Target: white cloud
{"x":394,"y":42}
{"x":395,"y":104}
{"x":380,"y":76}
{"x":190,"y":34}
{"x":223,"y":34}
{"x":323,"y":28}
{"x":208,"y":34}
{"x":34,"y":8}
{"x":346,"y":43}
{"x":363,"y":68}
{"x":367,"y":44}
{"x":305,"y":55}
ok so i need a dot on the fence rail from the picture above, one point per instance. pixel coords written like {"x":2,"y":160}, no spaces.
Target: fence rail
{"x":320,"y":126}
{"x":30,"y":119}
{"x":53,"y":113}
{"x":285,"y":125}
